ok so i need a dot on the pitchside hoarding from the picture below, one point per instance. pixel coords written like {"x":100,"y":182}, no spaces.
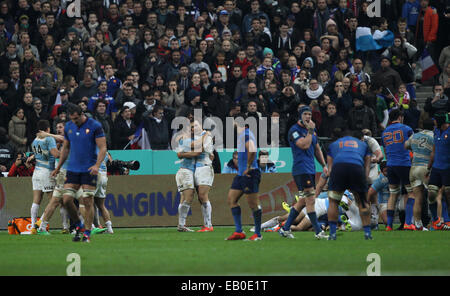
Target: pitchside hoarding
{"x":165,"y":162}
{"x":143,"y":201}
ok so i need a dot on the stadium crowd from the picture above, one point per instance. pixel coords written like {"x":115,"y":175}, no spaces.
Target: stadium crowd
{"x":132,"y":64}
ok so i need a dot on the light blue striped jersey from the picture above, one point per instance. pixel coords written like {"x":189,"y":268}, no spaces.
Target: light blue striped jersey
{"x":381,"y":186}
{"x":421,"y":145}
{"x":184,"y":145}
{"x":208,"y":149}
{"x":41,"y":149}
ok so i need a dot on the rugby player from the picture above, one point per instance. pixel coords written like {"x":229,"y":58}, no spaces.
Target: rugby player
{"x":379,"y":193}
{"x":304,"y":146}
{"x":56,"y":199}
{"x":439,"y":165}
{"x":349,"y":165}
{"x":195,"y":174}
{"x":421,"y":144}
{"x":245,"y":182}
{"x":45,"y":152}
{"x":399,"y":164}
{"x":82,"y":137}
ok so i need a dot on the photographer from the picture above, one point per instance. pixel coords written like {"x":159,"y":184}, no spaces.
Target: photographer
{"x":23,"y":166}
{"x":119,"y":167}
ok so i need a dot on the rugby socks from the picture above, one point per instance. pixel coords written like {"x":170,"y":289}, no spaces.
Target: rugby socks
{"x":292,"y":215}
{"x":43,"y":226}
{"x":206,"y":211}
{"x":96,"y":217}
{"x":64,"y":217}
{"x":445,"y":210}
{"x":409,"y":211}
{"x":183,"y":210}
{"x":34,"y":213}
{"x":367,"y":230}
{"x":390,"y":217}
{"x":257,"y":217}
{"x":109,"y":226}
{"x":236,"y":212}
{"x":315,"y":223}
{"x":333,"y":227}
{"x":433,"y":210}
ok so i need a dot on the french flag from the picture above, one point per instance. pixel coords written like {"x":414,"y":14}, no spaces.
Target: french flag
{"x":429,"y":68}
{"x":140,"y":140}
{"x":364,"y":40}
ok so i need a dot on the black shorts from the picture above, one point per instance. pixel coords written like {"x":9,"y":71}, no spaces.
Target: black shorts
{"x":247,"y":184}
{"x":81,"y":179}
{"x":347,"y":176}
{"x":398,"y":175}
{"x":439,"y":177}
{"x":305,"y":181}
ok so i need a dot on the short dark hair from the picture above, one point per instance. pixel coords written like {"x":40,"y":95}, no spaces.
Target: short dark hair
{"x":395,"y":114}
{"x":43,"y":125}
{"x":73,"y":108}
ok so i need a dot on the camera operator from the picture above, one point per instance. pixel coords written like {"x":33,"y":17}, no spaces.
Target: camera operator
{"x":23,"y":166}
{"x":119,"y":167}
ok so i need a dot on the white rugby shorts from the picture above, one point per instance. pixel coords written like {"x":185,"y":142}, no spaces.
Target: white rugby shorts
{"x":42,"y":180}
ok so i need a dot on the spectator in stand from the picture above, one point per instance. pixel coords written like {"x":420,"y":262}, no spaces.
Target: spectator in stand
{"x":231,"y":167}
{"x":439,"y":102}
{"x":362,"y":117}
{"x":331,"y":121}
{"x":124,"y":130}
{"x":157,"y":128}
{"x":17,"y":130}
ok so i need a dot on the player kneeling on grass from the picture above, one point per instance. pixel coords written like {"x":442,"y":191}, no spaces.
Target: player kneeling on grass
{"x":45,"y":152}
{"x":195,"y":149}
{"x":349,"y":165}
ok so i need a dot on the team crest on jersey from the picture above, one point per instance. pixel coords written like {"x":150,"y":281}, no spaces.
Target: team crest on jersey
{"x":87,"y":131}
{"x":70,"y":131}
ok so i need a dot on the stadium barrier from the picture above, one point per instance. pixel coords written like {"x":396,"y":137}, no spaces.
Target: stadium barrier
{"x":143,"y":201}
{"x":165,"y":162}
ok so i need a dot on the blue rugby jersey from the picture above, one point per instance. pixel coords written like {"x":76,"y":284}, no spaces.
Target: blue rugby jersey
{"x":393,"y":140}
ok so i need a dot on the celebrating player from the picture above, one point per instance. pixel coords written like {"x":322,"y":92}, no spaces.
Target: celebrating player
{"x":245,"y":182}
{"x":82,"y":136}
{"x":440,"y":167}
{"x":195,"y":173}
{"x":56,"y":199}
{"x":349,"y":165}
{"x":304,"y":145}
{"x":45,"y":152}
{"x":399,"y":164}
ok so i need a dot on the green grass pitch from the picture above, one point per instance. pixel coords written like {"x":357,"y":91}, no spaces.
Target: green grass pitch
{"x":164,"y":251}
